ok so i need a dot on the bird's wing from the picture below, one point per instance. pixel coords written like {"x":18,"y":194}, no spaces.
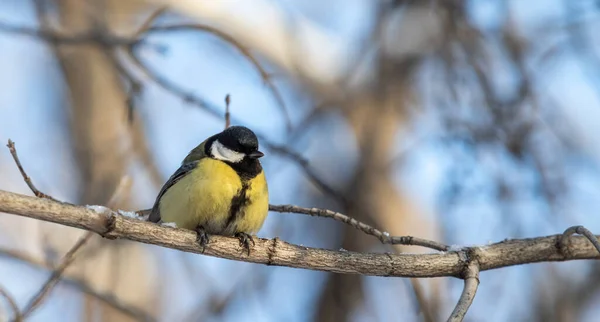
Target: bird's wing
{"x":196,"y":154}
{"x":178,"y":175}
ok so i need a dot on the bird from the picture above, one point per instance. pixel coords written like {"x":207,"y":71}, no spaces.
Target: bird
{"x":220,"y":188}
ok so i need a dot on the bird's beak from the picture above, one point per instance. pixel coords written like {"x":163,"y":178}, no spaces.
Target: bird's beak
{"x":256,"y":155}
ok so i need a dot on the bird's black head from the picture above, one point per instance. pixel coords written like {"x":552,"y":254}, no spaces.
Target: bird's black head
{"x":238,"y":147}
{"x":240,"y":139}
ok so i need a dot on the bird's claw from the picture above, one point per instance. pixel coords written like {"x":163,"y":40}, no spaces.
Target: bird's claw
{"x":245,"y":240}
{"x":202,"y":237}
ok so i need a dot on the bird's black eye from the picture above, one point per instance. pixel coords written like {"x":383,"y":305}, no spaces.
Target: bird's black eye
{"x":247,"y":146}
{"x":239,"y":147}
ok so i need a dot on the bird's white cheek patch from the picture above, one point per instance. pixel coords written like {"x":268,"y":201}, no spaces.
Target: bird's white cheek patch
{"x":221,"y":152}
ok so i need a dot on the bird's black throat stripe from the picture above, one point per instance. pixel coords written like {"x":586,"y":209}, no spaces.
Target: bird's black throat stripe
{"x":239,"y":201}
{"x":246,"y":169}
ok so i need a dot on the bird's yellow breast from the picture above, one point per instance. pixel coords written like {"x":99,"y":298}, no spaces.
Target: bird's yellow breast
{"x":204,"y":197}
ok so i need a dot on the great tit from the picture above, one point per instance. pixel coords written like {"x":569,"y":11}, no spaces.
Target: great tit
{"x":220,"y":188}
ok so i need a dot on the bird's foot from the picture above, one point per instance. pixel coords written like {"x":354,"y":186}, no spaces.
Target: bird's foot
{"x":245,"y":240}
{"x":202,"y":237}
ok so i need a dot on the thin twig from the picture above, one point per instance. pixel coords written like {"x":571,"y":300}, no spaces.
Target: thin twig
{"x":581,"y":231}
{"x":13,"y":305}
{"x":471,"y":277}
{"x":384,"y":237}
{"x":55,"y":276}
{"x":227,"y":115}
{"x":36,"y":192}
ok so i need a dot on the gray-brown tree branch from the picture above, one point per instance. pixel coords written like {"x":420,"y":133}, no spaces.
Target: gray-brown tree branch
{"x":111,"y":225}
